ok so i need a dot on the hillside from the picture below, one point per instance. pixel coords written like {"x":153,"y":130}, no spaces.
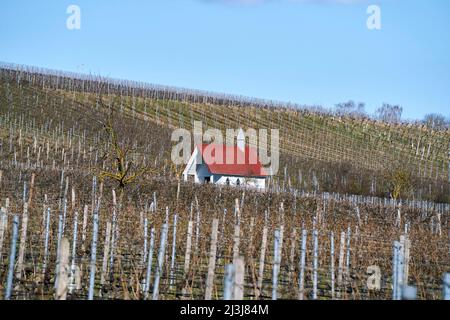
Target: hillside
{"x":313,"y":234}
{"x":319,"y":152}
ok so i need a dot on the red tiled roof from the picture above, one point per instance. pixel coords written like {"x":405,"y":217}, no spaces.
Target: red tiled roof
{"x":219,"y":159}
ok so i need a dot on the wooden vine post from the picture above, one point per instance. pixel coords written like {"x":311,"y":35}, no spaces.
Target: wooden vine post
{"x":212,"y":260}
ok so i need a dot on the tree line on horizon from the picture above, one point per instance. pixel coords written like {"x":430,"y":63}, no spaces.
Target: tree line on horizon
{"x":390,"y":113}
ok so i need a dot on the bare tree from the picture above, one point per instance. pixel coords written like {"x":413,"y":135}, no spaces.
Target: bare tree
{"x":389,"y":113}
{"x":436,"y":121}
{"x":350,"y":108}
{"x":123,"y":171}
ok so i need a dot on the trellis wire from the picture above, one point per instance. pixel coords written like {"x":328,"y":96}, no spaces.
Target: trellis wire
{"x":283,"y":273}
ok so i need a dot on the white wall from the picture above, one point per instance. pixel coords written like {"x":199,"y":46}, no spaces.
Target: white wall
{"x":202,"y":172}
{"x":259,"y":183}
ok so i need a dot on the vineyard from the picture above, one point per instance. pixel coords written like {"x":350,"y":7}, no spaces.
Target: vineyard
{"x":324,"y":229}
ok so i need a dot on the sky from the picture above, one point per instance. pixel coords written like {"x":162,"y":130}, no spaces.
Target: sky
{"x":311,"y":52}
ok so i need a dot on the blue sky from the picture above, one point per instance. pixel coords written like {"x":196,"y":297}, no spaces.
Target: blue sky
{"x":304,"y":51}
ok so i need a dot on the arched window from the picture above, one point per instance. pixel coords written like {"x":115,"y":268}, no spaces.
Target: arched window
{"x":238,"y":182}
{"x":227,"y":181}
